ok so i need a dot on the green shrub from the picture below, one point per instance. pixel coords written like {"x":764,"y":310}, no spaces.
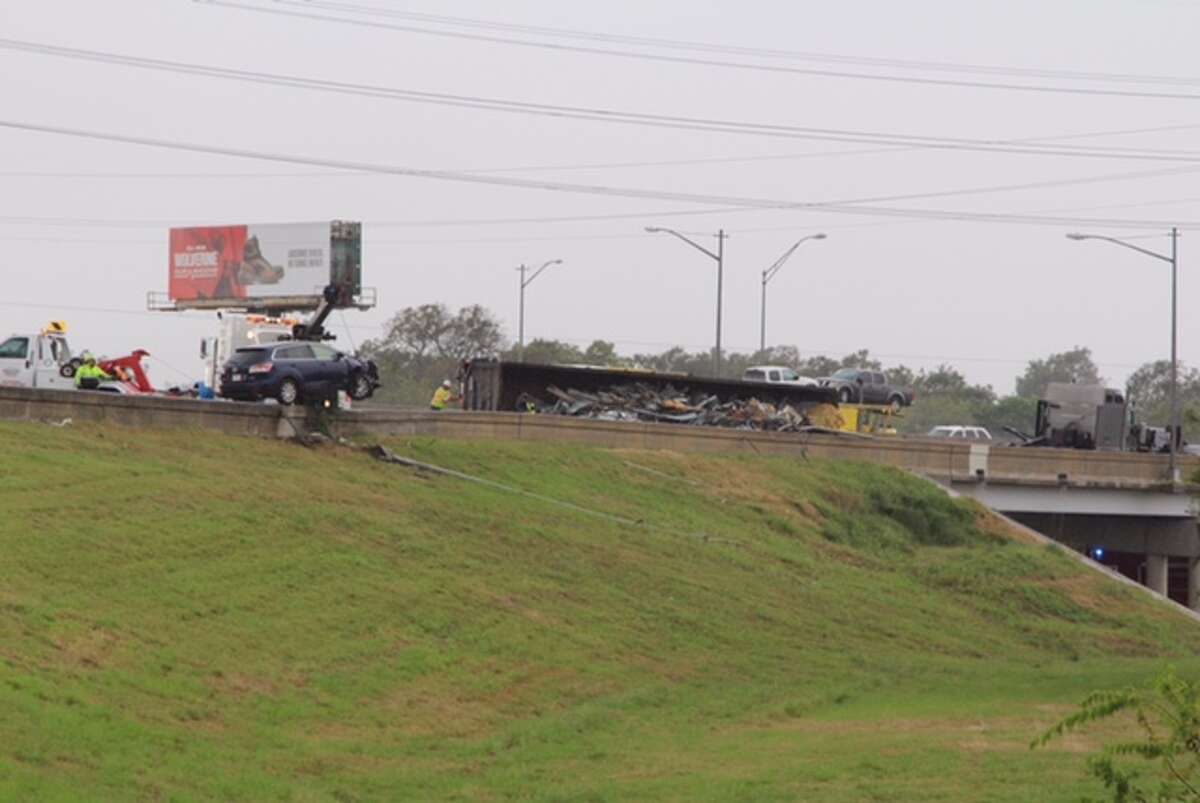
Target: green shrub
{"x":897,"y":513}
{"x":1164,"y":764}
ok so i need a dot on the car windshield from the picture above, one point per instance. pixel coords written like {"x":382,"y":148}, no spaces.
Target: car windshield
{"x":249,"y":356}
{"x":846,"y":373}
{"x":789,"y":375}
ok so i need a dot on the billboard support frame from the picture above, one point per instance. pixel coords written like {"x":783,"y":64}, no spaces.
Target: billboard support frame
{"x":156,"y":301}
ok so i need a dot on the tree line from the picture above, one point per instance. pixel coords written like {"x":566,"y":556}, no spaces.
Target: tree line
{"x":423,"y":345}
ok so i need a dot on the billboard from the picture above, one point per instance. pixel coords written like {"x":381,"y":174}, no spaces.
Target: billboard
{"x":244,"y":264}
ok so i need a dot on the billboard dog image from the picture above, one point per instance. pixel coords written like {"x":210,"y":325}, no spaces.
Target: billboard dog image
{"x":255,"y":269}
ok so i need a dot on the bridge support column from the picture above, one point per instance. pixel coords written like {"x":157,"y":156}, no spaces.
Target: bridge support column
{"x":1156,"y":573}
{"x":1194,"y":584}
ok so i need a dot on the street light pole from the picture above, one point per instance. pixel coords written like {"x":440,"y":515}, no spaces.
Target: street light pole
{"x":762,"y":318}
{"x":521,"y":315}
{"x":768,"y":275}
{"x":719,"y":257}
{"x":720,"y":281}
{"x":1174,"y":358}
{"x":1173,"y":259}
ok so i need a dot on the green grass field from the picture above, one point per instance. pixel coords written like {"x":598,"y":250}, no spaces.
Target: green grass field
{"x":192,"y":617}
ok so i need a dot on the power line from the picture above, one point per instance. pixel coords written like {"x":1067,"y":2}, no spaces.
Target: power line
{"x":710,"y":47}
{"x":609,"y":236}
{"x":43,"y":174}
{"x":602,"y":190}
{"x":707,"y":62}
{"x":761,"y":229}
{"x":76,"y":308}
{"x":547,"y":168}
{"x":78,"y":241}
{"x":105,"y":223}
{"x":999,"y":188}
{"x":592,"y":114}
{"x":373,"y":243}
{"x":175,"y":176}
{"x":76,"y":222}
{"x":1139,"y":205}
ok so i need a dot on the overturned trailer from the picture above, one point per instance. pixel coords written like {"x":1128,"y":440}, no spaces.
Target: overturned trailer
{"x":637,"y":395}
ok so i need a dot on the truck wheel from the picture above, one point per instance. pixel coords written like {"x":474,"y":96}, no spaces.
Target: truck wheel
{"x":289,"y":392}
{"x":360,"y":387}
{"x":68,"y":369}
{"x":895,"y":402}
{"x":845,"y":396}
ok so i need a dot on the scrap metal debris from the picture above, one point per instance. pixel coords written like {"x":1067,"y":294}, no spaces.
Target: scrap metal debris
{"x":640,"y":402}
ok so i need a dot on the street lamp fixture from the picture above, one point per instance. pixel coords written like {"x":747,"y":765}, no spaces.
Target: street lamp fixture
{"x":525,"y":282}
{"x":768,"y":275}
{"x":719,"y":257}
{"x":1173,"y":259}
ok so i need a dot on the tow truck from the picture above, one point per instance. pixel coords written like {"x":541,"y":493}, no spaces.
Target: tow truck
{"x":45,"y":360}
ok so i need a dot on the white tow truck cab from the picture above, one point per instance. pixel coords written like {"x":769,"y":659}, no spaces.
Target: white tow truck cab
{"x":41,"y":360}
{"x":239,"y":330}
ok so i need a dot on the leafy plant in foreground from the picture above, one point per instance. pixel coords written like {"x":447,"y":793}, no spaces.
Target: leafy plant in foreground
{"x":1168,"y":718}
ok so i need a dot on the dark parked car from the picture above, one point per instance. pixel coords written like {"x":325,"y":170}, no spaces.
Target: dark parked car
{"x":857,"y":386}
{"x":292,"y":372}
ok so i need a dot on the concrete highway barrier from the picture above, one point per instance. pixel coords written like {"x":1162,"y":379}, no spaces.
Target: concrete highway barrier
{"x":942,"y":459}
{"x":93,"y":408}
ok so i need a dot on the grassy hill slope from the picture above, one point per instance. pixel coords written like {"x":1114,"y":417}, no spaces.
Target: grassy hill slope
{"x":191,"y":617}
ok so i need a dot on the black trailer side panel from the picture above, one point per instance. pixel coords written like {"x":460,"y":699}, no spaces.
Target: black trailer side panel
{"x":496,"y":385}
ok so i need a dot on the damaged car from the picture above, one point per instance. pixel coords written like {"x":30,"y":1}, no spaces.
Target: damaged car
{"x":296,"y":372}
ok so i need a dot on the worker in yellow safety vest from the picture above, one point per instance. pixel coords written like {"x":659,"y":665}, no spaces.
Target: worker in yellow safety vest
{"x":89,"y":375}
{"x":443,"y":396}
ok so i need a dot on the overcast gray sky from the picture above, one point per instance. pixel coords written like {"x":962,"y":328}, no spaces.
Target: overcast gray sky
{"x":84,"y":222}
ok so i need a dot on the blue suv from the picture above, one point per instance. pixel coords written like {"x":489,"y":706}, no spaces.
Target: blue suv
{"x":293,"y":372}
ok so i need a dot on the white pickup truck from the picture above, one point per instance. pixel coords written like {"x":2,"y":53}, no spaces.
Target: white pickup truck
{"x":776,"y":374}
{"x":41,"y":360}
